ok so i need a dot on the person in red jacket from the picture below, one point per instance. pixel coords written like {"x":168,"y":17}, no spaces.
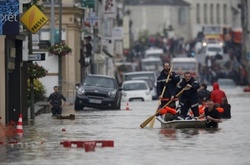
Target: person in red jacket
{"x":217,"y":94}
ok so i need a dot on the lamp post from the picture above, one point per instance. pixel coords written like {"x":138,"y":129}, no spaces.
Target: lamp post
{"x":52,"y":22}
{"x":60,"y":56}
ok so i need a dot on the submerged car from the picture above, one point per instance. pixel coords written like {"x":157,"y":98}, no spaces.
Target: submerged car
{"x":98,"y":91}
{"x":136,"y":90}
{"x":226,"y":83}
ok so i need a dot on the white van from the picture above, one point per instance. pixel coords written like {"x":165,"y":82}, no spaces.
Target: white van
{"x":212,"y":49}
{"x":154,"y":52}
{"x":151,"y":64}
{"x":184,"y":64}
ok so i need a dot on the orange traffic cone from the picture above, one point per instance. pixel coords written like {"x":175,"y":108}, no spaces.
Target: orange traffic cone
{"x":127,"y":107}
{"x":19,"y":128}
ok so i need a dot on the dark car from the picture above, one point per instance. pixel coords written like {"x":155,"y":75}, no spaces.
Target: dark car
{"x":98,"y":91}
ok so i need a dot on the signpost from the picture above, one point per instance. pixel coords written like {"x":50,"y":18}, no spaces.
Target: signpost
{"x":88,"y":3}
{"x":34,"y":19}
{"x":36,"y":57}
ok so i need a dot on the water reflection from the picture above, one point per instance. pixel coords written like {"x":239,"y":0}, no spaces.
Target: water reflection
{"x":174,"y":134}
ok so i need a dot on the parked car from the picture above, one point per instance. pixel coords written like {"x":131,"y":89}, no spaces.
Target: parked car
{"x":150,"y":84}
{"x":98,"y":91}
{"x":142,"y":74}
{"x":136,"y":90}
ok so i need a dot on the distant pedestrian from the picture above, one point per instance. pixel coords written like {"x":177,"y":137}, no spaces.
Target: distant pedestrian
{"x":56,"y":102}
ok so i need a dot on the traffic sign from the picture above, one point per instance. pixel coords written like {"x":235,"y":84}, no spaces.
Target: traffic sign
{"x":36,"y":57}
{"x":88,"y":3}
{"x":34,"y":19}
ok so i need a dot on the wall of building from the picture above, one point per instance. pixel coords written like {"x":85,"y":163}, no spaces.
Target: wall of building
{"x":197,"y":12}
{"x":155,"y":18}
{"x":2,"y":81}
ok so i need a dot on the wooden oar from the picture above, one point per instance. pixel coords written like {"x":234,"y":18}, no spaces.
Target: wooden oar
{"x":159,"y":102}
{"x":151,"y":117}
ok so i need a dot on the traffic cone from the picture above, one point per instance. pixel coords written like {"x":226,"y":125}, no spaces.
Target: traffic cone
{"x":19,"y":128}
{"x":127,"y":107}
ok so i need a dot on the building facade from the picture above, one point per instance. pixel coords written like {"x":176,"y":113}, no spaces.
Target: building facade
{"x":187,"y":18}
{"x":155,"y":16}
{"x":223,"y":13}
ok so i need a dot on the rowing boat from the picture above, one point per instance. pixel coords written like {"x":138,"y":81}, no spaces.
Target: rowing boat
{"x":178,"y":124}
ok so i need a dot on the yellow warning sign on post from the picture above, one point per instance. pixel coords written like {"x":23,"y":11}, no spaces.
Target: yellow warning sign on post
{"x":34,"y":19}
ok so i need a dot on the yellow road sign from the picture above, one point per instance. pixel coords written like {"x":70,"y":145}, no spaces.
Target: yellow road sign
{"x":34,"y":19}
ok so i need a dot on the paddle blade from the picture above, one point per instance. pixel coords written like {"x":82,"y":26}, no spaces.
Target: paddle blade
{"x":151,"y":125}
{"x":147,"y":121}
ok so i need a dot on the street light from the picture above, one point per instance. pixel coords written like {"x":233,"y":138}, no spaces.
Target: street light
{"x":60,"y":56}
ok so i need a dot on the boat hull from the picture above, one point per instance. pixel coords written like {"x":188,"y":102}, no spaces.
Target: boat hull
{"x":179,"y":124}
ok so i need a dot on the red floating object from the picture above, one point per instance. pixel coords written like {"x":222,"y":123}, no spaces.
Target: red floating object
{"x":89,"y":145}
{"x":246,"y":89}
{"x":66,"y":144}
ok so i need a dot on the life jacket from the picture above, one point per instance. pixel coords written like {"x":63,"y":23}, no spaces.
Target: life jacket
{"x":167,"y":109}
{"x":202,"y":109}
{"x":220,"y":110}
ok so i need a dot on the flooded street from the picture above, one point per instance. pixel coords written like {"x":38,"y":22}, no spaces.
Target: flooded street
{"x":133,"y":145}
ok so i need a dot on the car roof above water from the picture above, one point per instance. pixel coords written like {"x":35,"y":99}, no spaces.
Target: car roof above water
{"x":99,"y":75}
{"x":226,"y":82}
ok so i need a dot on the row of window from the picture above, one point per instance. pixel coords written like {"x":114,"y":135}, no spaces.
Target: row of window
{"x":57,"y":1}
{"x":212,"y":13}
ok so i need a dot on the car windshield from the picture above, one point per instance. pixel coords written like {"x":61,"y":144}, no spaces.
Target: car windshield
{"x":184,"y":66}
{"x":155,"y":55}
{"x":214,"y":49}
{"x":134,"y":86}
{"x":132,"y":76}
{"x":99,"y":82}
{"x":148,"y":81}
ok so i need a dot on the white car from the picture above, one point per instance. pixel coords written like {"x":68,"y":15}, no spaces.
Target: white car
{"x":136,"y":90}
{"x":151,"y":86}
{"x":213,"y":49}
